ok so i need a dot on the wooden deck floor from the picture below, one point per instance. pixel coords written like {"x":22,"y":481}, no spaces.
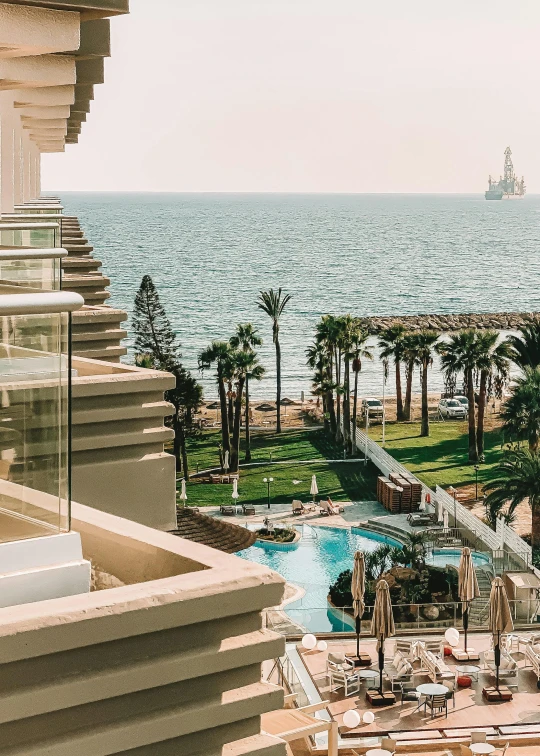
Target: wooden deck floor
{"x":471,"y":710}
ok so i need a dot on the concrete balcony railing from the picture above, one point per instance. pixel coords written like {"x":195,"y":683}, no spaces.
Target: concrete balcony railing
{"x":166,"y":662}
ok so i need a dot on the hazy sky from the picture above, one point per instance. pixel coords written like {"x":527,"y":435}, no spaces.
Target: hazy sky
{"x":312,"y":95}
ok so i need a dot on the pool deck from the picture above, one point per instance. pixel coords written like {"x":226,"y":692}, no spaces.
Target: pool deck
{"x":471,"y":709}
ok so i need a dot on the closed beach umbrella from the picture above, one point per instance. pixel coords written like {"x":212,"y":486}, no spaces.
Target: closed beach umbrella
{"x":500,"y":619}
{"x":440,"y":512}
{"x":314,"y":490}
{"x":445,"y":520}
{"x":358,"y":588}
{"x":226,"y":461}
{"x":468,"y":588}
{"x":235,"y":493}
{"x":183,"y":494}
{"x":422,"y":507}
{"x":382,"y":625}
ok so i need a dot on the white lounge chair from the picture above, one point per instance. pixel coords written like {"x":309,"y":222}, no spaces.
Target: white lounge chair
{"x":508,"y":669}
{"x":532,"y":658}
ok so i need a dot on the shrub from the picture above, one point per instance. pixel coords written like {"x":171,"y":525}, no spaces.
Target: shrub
{"x":278,"y":535}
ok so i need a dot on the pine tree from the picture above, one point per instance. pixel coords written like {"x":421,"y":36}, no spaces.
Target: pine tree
{"x":154,"y":334}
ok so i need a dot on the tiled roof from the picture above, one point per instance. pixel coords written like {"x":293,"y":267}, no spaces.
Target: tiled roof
{"x":225,"y":536}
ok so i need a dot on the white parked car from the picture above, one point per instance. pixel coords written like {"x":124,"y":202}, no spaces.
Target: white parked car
{"x":452,"y":408}
{"x":463,"y":400}
{"x":374,"y":407}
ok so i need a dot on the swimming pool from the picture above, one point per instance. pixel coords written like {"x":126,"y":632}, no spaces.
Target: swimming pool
{"x":316,"y":561}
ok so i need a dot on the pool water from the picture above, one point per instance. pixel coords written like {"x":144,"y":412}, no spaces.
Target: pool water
{"x":320,"y":556}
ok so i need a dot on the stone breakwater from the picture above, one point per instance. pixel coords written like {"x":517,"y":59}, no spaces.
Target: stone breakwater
{"x":501,"y":321}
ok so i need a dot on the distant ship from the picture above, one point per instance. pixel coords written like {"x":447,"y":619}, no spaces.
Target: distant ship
{"x":508,"y":186}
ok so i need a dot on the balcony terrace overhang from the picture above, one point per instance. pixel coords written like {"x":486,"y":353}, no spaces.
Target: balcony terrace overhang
{"x":86,"y":8}
{"x":34,"y":72}
{"x":45,"y":97}
{"x":36,"y":31}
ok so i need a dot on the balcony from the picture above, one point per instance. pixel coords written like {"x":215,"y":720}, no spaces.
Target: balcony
{"x":36,"y":268}
{"x":29,"y":234}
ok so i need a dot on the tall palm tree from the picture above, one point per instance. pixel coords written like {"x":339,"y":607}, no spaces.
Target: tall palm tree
{"x":422,"y":346}
{"x":346,"y":337}
{"x":219,"y":353}
{"x":525,"y":348}
{"x":518,"y":479}
{"x":245,"y":362}
{"x":273,"y":304}
{"x":247,"y":338}
{"x":521,"y":412}
{"x":316,"y":359}
{"x":328,"y":335}
{"x":493,"y":364}
{"x":459,"y":355}
{"x":391,"y":344}
{"x":409,"y":358}
{"x":359,"y":352}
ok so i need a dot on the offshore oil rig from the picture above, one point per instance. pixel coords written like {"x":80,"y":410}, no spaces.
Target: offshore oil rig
{"x":508,"y":186}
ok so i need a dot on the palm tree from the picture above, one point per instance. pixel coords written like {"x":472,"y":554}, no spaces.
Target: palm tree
{"x":358,"y":352}
{"x":273,"y":303}
{"x":422,"y":345}
{"x":521,"y":412}
{"x":327,"y":335}
{"x":219,"y":352}
{"x":459,"y":355}
{"x":346,"y":337}
{"x":492,"y":361}
{"x":409,"y":358}
{"x":525,"y":348}
{"x":392,"y":346}
{"x":518,"y":480}
{"x":317,"y":360}
{"x":246,"y":338}
{"x":245,"y":362}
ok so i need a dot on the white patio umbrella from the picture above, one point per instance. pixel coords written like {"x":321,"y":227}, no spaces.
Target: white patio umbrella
{"x":183,"y":494}
{"x":440,"y":512}
{"x":445,"y":520}
{"x":358,"y":588}
{"x":468,"y":588}
{"x":226,"y":461}
{"x":422,"y":507}
{"x":382,"y":624}
{"x":500,"y":619}
{"x":235,"y":493}
{"x":314,"y":490}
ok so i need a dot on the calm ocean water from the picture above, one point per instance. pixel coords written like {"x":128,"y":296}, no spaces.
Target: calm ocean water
{"x":210,"y":254}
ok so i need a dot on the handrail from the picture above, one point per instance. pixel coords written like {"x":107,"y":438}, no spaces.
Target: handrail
{"x":38,"y":303}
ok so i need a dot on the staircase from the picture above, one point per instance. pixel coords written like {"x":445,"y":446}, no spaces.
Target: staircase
{"x":478,"y":612}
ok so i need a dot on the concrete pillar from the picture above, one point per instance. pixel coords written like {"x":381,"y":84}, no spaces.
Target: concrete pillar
{"x":26,"y":166}
{"x":7,"y":165}
{"x":17,"y":161}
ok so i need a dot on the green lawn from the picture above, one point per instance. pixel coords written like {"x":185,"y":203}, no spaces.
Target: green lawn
{"x":441,"y":458}
{"x":342,"y":481}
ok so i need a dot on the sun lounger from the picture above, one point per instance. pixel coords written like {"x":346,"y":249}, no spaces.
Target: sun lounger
{"x":227,"y":510}
{"x":338,"y":508}
{"x":532,"y":658}
{"x":299,"y":509}
{"x":248,"y":509}
{"x":508,"y":668}
{"x":328,"y":508}
{"x":398,"y":670}
{"x":435,"y":666}
{"x":215,"y":479}
{"x":422,"y":518}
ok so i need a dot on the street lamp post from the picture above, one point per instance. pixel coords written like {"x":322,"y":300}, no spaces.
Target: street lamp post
{"x":268,"y":481}
{"x":476,"y":468}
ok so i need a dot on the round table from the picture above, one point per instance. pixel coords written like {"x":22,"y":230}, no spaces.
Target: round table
{"x":482,"y":748}
{"x":367,"y":674}
{"x":468,"y":669}
{"x":432,"y":689}
{"x":378,"y":752}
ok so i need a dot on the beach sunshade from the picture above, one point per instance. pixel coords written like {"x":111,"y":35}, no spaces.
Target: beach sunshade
{"x":183,"y":494}
{"x":226,"y":461}
{"x":382,"y":625}
{"x":235,"y":493}
{"x":314,"y":490}
{"x":265,"y":407}
{"x":440,"y":512}
{"x":468,"y":588}
{"x":358,"y":588}
{"x":445,"y":519}
{"x":212,"y":406}
{"x":422,"y":507}
{"x":286,"y":402}
{"x":500,"y":619}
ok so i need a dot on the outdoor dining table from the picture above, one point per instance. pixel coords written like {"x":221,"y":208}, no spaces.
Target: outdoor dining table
{"x":429,"y":690}
{"x":378,"y":752}
{"x":482,"y":748}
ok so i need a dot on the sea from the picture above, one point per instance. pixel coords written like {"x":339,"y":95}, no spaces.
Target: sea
{"x":210,"y":255}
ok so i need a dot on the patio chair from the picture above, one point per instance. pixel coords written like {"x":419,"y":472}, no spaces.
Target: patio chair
{"x":398,"y":670}
{"x":349,"y":682}
{"x":501,"y":751}
{"x":465,"y":751}
{"x":405,"y":648}
{"x":437,"y":704}
{"x":451,"y":695}
{"x":409,"y":693}
{"x":215,"y":479}
{"x":388,"y":744}
{"x":532,"y":658}
{"x":298,"y":508}
{"x":508,"y":669}
{"x":478,"y":736}
{"x":248,"y":509}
